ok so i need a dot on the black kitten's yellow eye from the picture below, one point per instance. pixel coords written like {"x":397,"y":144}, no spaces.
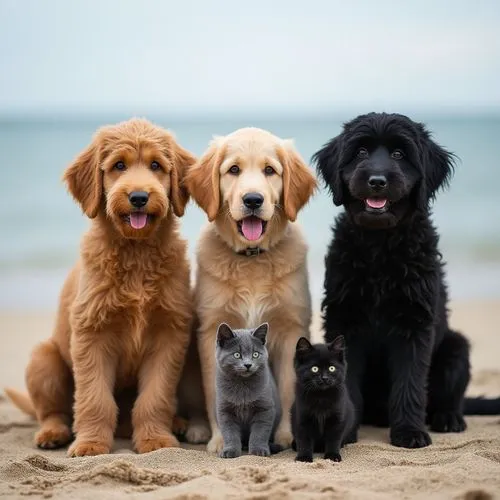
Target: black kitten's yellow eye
{"x":397,"y":154}
{"x":315,"y":369}
{"x":331,"y":369}
{"x":255,"y":354}
{"x":362,"y":153}
{"x":155,"y":165}
{"x":119,"y":165}
{"x":237,"y":355}
{"x":235,"y":170}
{"x":269,"y":170}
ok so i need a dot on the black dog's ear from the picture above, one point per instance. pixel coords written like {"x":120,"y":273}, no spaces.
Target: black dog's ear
{"x":438,"y":168}
{"x":327,"y":162}
{"x":224,"y":333}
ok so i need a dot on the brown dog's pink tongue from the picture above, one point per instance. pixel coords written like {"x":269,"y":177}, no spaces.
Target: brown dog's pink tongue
{"x":138,"y":220}
{"x":251,"y":228}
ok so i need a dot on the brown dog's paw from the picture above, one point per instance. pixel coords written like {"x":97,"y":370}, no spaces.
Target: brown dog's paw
{"x":179,"y":426}
{"x":87,"y":448}
{"x":165,"y":441}
{"x":55,"y":436}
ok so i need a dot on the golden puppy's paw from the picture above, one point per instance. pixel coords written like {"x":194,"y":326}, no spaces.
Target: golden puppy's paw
{"x":55,"y":436}
{"x":216,"y":444}
{"x":82,"y":448}
{"x":198,"y":432}
{"x":179,"y":426}
{"x":283,"y":437}
{"x":153,"y":444}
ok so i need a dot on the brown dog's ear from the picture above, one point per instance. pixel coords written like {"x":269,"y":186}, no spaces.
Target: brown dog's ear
{"x":84,"y":178}
{"x":182,"y":160}
{"x":299,"y":182}
{"x":202,"y":179}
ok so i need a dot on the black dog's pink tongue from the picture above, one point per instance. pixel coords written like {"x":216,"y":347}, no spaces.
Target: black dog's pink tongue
{"x":376,"y":202}
{"x":138,"y":219}
{"x":251,"y":228}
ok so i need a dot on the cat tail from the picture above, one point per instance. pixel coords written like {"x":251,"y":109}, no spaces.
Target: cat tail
{"x":482,"y":406}
{"x":22,"y":401}
{"x":275,"y":448}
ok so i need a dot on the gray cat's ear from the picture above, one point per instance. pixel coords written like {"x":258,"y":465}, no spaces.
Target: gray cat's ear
{"x":337,"y":346}
{"x":261,"y":332}
{"x":224,"y":333}
{"x":303,"y":345}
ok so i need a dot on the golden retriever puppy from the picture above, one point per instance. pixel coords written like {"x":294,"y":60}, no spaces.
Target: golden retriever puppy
{"x":125,"y":312}
{"x":251,"y":260}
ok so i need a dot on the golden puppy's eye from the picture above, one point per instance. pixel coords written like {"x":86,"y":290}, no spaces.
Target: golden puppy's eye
{"x":331,"y":369}
{"x":362,"y":153}
{"x":397,"y":154}
{"x":235,"y":170}
{"x":155,"y":165}
{"x":119,"y":165}
{"x":269,"y":170}
{"x":315,"y":369}
{"x":237,"y":355}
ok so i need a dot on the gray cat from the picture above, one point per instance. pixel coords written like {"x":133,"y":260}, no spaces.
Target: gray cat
{"x":247,"y":402}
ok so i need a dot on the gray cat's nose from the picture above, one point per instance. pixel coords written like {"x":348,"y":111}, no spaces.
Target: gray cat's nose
{"x":248,"y":366}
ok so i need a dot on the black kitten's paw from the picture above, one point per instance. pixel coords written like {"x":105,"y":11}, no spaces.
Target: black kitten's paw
{"x":304,"y":457}
{"x":230,"y":453}
{"x":449,"y":421}
{"x":410,"y":438}
{"x":260,"y":451}
{"x":335,"y":457}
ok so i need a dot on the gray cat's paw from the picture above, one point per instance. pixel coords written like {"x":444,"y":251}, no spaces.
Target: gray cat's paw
{"x":260,"y":451}
{"x":230,"y":453}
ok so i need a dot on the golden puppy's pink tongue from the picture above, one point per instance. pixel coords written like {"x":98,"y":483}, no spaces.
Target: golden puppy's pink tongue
{"x":138,"y":220}
{"x":376,"y":202}
{"x":251,"y":228}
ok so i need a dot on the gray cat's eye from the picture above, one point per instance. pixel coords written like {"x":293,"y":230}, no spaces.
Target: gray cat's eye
{"x":315,"y":369}
{"x":237,"y":355}
{"x":255,"y":354}
{"x":331,"y":368}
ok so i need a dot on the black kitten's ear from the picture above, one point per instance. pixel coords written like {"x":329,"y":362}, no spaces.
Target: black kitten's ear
{"x":224,"y":333}
{"x":327,"y":162}
{"x":438,"y":168}
{"x":337,"y":346}
{"x":261,"y":332}
{"x":303,"y":345}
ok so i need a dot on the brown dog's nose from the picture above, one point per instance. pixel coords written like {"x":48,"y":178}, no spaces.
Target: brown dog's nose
{"x":253,"y":200}
{"x":138,"y":198}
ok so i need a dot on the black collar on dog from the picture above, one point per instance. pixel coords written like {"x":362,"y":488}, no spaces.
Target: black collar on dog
{"x":251,"y":251}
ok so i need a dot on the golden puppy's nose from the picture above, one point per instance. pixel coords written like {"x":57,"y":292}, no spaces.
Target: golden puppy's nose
{"x":253,"y":200}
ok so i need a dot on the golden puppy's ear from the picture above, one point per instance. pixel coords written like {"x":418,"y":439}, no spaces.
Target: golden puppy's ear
{"x":179,"y":195}
{"x":299,"y":183}
{"x":84,"y":177}
{"x":202,"y":179}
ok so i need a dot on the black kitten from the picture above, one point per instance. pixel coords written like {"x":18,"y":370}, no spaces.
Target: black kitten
{"x":323,"y":413}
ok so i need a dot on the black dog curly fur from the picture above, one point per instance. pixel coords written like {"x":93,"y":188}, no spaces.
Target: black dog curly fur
{"x":384,"y":283}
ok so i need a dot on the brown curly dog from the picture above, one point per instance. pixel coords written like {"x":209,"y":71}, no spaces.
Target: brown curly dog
{"x":125,"y":313}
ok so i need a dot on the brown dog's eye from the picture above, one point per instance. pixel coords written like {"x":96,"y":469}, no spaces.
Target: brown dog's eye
{"x":363,"y":153}
{"x":269,"y":170}
{"x":119,"y":165}
{"x":235,"y":170}
{"x":155,"y":165}
{"x":397,"y":154}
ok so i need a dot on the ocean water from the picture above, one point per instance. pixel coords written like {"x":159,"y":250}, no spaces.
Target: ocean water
{"x":41,"y":226}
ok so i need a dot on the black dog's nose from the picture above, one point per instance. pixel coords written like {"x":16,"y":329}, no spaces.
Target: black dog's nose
{"x":253,"y":200}
{"x":377,"y":181}
{"x":248,"y":366}
{"x":138,"y":198}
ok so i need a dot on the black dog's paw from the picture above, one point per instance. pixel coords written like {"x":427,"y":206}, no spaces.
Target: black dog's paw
{"x":304,"y":457}
{"x":335,"y":457}
{"x":450,"y":421}
{"x":410,"y":438}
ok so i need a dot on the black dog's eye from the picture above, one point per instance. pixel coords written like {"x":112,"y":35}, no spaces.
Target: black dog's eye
{"x":119,"y":165}
{"x":269,"y":170}
{"x":155,"y":165}
{"x":235,"y":170}
{"x":397,"y":154}
{"x":363,"y":153}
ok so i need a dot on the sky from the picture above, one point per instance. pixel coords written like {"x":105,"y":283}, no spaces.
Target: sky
{"x":205,"y":56}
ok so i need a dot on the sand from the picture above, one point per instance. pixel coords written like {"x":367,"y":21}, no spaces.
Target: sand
{"x":457,"y":466}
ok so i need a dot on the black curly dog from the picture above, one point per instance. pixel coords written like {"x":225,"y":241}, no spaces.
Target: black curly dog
{"x":384,"y":283}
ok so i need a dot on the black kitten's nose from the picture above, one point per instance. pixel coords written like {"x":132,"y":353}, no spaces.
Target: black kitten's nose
{"x":377,"y":181}
{"x":248,"y":366}
{"x":138,"y":198}
{"x":253,"y":200}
